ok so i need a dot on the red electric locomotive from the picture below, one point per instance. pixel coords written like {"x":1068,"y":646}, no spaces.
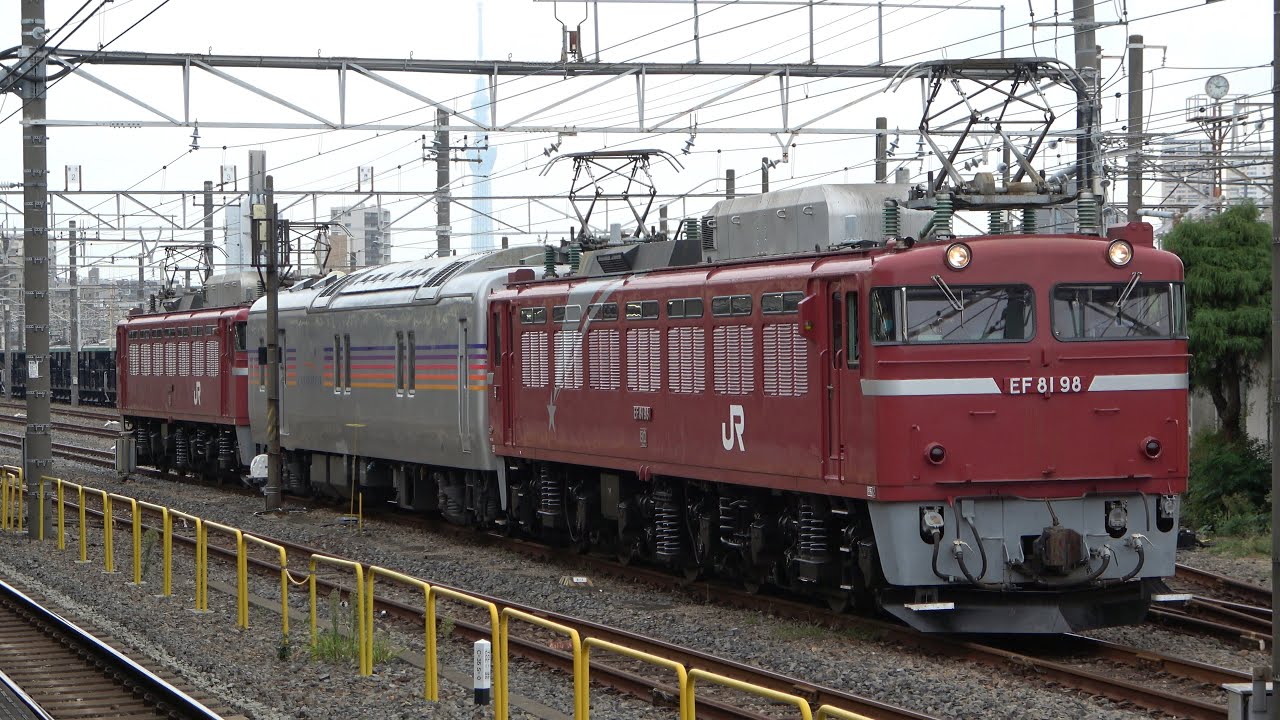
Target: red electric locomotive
{"x":183,"y":389}
{"x":987,"y":435}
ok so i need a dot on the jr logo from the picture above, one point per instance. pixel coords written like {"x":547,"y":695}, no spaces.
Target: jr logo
{"x":196,"y":394}
{"x":732,"y":430}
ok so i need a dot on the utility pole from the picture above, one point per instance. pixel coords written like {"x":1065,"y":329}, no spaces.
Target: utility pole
{"x":208,"y":229}
{"x":142,"y":268}
{"x":8,"y":346}
{"x":882,"y":150}
{"x":261,"y":190}
{"x":1275,"y":354}
{"x":442,"y":183}
{"x":1135,"y":127}
{"x":764,"y":175}
{"x":730,"y":183}
{"x":74,"y":300}
{"x":1087,"y":64}
{"x":38,"y":450}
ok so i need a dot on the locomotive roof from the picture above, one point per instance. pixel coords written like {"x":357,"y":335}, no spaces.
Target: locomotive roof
{"x":237,"y":312}
{"x":1053,"y":253}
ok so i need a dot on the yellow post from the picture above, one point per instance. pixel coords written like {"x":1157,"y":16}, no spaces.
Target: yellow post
{"x":499,"y":670}
{"x":12,"y":497}
{"x":62,"y":538}
{"x":166,"y":525}
{"x":136,"y":527}
{"x":284,"y":578}
{"x":430,"y":689}
{"x":84,"y":542}
{"x":364,"y":644}
{"x":4,"y":500}
{"x":202,"y":558}
{"x":686,"y":710}
{"x":806,"y":713}
{"x":579,"y":668}
{"x":108,"y":537}
{"x":242,"y":569}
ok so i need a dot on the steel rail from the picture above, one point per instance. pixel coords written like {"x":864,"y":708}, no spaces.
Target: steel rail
{"x":136,"y":687}
{"x":1255,"y":594}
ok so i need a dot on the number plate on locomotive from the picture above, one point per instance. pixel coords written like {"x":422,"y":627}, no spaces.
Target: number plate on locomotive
{"x":1044,"y":385}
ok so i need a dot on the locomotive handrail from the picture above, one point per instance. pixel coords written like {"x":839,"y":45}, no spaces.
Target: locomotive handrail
{"x":953,"y":361}
{"x":1156,"y":356}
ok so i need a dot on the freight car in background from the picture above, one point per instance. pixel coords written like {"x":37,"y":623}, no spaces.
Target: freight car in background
{"x":95,"y":374}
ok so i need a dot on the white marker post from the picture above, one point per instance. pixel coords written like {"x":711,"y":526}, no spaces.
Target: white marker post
{"x":481,"y":675}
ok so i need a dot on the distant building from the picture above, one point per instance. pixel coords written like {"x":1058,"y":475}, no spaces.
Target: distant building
{"x":366,"y":239}
{"x":237,"y":242}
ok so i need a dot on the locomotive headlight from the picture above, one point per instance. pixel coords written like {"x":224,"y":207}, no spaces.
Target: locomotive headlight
{"x":958,"y":256}
{"x":1151,"y":447}
{"x":935,"y":453}
{"x":1119,"y":253}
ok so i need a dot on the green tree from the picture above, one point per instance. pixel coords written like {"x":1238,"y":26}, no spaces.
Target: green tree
{"x":1228,"y":279}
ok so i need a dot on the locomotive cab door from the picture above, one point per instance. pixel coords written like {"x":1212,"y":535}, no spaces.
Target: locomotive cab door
{"x":844,"y":459}
{"x":832,"y":360}
{"x":499,"y":343}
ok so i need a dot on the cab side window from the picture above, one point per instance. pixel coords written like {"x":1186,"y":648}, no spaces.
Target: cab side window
{"x":852,"y":355}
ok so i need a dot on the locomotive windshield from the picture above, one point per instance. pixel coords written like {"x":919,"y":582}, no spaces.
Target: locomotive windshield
{"x":1104,"y":312}
{"x":952,"y":314}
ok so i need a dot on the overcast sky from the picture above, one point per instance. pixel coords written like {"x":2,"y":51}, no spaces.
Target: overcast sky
{"x":1227,"y":38}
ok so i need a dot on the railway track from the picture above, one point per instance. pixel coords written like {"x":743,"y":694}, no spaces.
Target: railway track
{"x":68,"y":672}
{"x":89,"y":456}
{"x":98,"y":432}
{"x":1243,"y":615}
{"x":11,"y":407}
{"x":1189,"y":689}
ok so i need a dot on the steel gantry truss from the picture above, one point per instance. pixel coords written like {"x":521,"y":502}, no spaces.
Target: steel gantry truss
{"x":398,"y":75}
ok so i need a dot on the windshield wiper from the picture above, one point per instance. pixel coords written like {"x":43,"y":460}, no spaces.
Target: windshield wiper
{"x":946,"y":293}
{"x":1128,"y":289}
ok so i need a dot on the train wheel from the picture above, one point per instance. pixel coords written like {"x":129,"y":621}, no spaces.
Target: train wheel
{"x":628,"y":551}
{"x":839,"y":602}
{"x":753,"y":582}
{"x":693,"y":573}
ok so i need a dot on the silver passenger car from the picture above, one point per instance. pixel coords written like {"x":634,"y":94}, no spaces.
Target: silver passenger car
{"x":384,"y":382}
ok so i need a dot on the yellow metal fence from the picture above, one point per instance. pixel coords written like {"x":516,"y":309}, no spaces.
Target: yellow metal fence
{"x":11,"y":518}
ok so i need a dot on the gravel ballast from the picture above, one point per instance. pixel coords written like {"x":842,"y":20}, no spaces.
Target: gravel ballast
{"x":246,"y":668}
